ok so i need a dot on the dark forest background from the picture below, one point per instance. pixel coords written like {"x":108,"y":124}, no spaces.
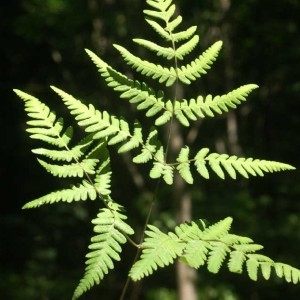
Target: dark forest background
{"x":42,"y":43}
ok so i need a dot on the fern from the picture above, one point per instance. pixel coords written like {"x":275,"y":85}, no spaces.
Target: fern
{"x":87,"y":162}
{"x":83,"y":158}
{"x":196,"y":246}
{"x":105,"y":247}
{"x":159,"y":250}
{"x":218,"y":163}
{"x":231,"y":164}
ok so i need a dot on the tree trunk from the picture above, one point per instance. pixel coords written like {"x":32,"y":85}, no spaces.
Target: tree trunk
{"x":186,"y":276}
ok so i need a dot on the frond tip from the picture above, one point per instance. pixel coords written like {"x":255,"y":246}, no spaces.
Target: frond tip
{"x":232,"y":165}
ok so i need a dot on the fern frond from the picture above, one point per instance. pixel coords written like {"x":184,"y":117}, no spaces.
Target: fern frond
{"x":166,"y":52}
{"x":180,"y":116}
{"x":133,"y":90}
{"x":200,"y":65}
{"x":135,"y":140}
{"x":149,"y":149}
{"x":105,"y":248}
{"x":93,"y":164}
{"x":217,"y":230}
{"x":184,"y":35}
{"x":71,"y":170}
{"x":184,"y":165}
{"x":166,"y":116}
{"x":211,"y":105}
{"x":165,"y":9}
{"x":217,"y":255}
{"x":159,"y":250}
{"x":80,"y":192}
{"x":163,"y":74}
{"x":187,"y":47}
{"x":86,"y":189}
{"x":44,"y":125}
{"x":196,"y":245}
{"x":236,"y":261}
{"x":102,"y":124}
{"x":160,"y":168}
{"x":172,"y":25}
{"x":159,"y":29}
{"x":160,"y":5}
{"x":68,"y":155}
{"x":231,"y":164}
{"x":195,"y":252}
{"x":290,"y":274}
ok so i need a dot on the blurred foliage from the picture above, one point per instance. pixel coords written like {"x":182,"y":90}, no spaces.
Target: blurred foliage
{"x":43,"y":41}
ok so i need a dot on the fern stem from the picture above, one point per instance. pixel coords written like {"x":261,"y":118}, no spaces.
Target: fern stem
{"x":88,"y":178}
{"x":131,"y":241}
{"x":139,"y":246}
{"x":175,"y":95}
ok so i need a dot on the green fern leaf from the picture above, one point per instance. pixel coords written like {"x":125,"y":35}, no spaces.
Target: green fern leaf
{"x":53,"y":129}
{"x":134,"y":91}
{"x":105,"y":247}
{"x":163,"y":119}
{"x":157,"y":170}
{"x":252,"y":268}
{"x":134,"y":141}
{"x":166,"y":52}
{"x":61,"y":141}
{"x":195,"y":253}
{"x":77,"y":193}
{"x":179,"y":115}
{"x":235,"y":264}
{"x":266,"y":269}
{"x":159,"y":250}
{"x":147,"y":68}
{"x":183,"y":35}
{"x":44,"y":126}
{"x":102,"y":124}
{"x":149,"y":148}
{"x":166,"y":116}
{"x":200,"y":162}
{"x":121,"y":135}
{"x":216,"y":256}
{"x":102,"y":183}
{"x":219,"y":104}
{"x":237,"y":240}
{"x":289,"y":273}
{"x":199,"y":66}
{"x":66,"y":155}
{"x":231,"y":164}
{"x":248,"y":248}
{"x":253,"y":263}
{"x":168,"y":174}
{"x":160,"y":168}
{"x":189,"y":231}
{"x":184,"y":165}
{"x":165,"y":13}
{"x":143,"y":157}
{"x":187,"y":47}
{"x":214,"y":163}
{"x":217,"y":230}
{"x":159,"y":5}
{"x":172,"y":25}
{"x":159,"y":29}
{"x":71,"y":170}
